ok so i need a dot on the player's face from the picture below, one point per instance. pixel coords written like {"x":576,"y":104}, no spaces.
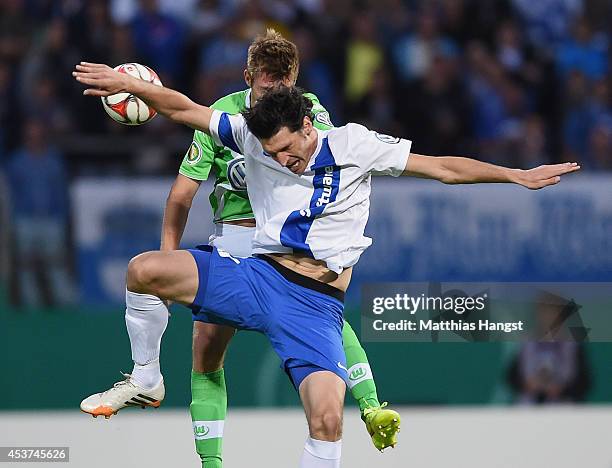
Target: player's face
{"x":260,"y":83}
{"x":292,"y":150}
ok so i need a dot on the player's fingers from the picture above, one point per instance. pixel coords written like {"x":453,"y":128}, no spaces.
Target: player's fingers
{"x":571,"y":168}
{"x":551,"y":181}
{"x":86,"y":79}
{"x":95,"y":92}
{"x":88,"y":69}
{"x":84,"y":74}
{"x":558,"y":169}
{"x":562,"y":166}
{"x":93,"y":65}
{"x":562,"y":170}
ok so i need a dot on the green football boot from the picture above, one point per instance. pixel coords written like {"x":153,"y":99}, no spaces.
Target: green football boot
{"x":383,"y":425}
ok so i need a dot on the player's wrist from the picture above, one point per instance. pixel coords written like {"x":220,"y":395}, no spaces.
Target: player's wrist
{"x":516,"y":176}
{"x":133,"y":85}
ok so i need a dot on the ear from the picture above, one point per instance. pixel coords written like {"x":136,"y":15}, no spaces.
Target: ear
{"x":289,"y":81}
{"x":307,"y":125}
{"x":247,"y":78}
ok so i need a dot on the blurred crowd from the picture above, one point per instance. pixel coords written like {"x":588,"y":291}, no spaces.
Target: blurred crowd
{"x":513,"y":81}
{"x":516,"y":82}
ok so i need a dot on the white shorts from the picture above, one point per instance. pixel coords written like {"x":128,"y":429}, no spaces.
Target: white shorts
{"x":235,"y":240}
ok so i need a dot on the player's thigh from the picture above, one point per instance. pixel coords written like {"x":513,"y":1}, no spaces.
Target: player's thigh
{"x":322,"y":395}
{"x":210,"y":343}
{"x":170,"y":275}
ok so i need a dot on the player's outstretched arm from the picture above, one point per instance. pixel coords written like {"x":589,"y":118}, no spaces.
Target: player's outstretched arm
{"x":457,"y":170}
{"x":178,"y":205}
{"x":104,"y":81}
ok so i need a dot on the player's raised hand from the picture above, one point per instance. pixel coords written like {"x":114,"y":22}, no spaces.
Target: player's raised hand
{"x":103,"y":80}
{"x":543,"y":176}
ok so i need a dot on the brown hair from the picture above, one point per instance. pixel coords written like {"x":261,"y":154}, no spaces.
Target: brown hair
{"x":271,"y":53}
{"x":280,"y":107}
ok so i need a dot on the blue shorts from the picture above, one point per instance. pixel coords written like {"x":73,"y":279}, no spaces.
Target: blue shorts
{"x":301,"y":317}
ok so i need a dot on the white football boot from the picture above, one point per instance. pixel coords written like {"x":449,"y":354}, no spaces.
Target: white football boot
{"x":122,"y":394}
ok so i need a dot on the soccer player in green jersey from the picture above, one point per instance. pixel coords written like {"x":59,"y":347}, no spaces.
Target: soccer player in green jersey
{"x":271,"y":60}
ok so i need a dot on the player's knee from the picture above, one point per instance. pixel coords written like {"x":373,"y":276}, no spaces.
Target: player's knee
{"x":326,"y":425}
{"x":144,"y":273}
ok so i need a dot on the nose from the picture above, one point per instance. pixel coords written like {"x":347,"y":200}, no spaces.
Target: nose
{"x":282,"y":159}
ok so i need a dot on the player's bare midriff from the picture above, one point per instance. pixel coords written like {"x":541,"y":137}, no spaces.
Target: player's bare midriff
{"x":303,"y":265}
{"x":240,"y":222}
{"x":314,"y":269}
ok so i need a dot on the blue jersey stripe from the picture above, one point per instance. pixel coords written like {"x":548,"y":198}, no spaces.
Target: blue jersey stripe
{"x":225,"y":133}
{"x":326,"y":183}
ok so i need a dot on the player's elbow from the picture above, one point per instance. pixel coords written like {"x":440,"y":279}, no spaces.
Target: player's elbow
{"x":449,"y":177}
{"x":191,"y":115}
{"x":179,"y":200}
{"x":183,"y":192}
{"x":178,"y":116}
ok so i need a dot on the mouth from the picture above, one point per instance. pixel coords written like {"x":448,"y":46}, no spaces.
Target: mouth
{"x":293,"y":167}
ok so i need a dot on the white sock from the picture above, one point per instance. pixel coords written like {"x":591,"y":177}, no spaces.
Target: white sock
{"x":321,"y":454}
{"x":146,"y":318}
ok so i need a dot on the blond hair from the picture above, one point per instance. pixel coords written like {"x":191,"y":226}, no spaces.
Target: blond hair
{"x":271,"y":53}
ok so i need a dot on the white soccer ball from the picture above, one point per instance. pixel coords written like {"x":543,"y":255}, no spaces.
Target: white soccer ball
{"x":126,"y":108}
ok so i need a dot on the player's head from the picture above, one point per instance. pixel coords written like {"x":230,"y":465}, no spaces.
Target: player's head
{"x":282,"y":121}
{"x":272,"y":60}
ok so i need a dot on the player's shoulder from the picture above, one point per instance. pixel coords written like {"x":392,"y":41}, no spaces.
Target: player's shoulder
{"x":355,"y":135}
{"x":346,"y":141}
{"x":232,"y":103}
{"x":348,"y":135}
{"x":316,"y":103}
{"x":313,"y":98}
{"x":322,"y":120}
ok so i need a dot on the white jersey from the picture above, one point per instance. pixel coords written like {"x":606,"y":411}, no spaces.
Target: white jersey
{"x":323,"y":212}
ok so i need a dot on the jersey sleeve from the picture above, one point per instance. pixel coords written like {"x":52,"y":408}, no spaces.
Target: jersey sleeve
{"x":200,"y":156}
{"x":322,"y":120}
{"x":228,"y":130}
{"x":377,"y":153}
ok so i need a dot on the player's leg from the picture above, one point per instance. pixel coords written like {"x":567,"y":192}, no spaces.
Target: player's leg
{"x":303,"y":321}
{"x":361,"y":381}
{"x":208,"y":394}
{"x":382,"y":423}
{"x":322,"y":394}
{"x":152,"y":277}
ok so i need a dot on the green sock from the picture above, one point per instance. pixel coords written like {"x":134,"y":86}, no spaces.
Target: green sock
{"x":208,"y":408}
{"x":360,"y":381}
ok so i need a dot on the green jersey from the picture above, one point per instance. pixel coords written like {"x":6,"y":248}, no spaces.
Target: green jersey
{"x":229,"y":199}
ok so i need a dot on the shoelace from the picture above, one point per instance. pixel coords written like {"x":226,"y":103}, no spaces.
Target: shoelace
{"x":374,"y":408}
{"x":126,"y":381}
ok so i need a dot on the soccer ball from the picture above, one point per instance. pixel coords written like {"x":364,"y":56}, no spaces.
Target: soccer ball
{"x":126,"y":108}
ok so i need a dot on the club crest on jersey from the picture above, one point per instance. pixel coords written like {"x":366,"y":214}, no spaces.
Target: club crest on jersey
{"x":387,"y":138}
{"x":327,"y":182}
{"x":194,"y":154}
{"x":236,"y":173}
{"x":201,"y":431}
{"x":323,"y":118}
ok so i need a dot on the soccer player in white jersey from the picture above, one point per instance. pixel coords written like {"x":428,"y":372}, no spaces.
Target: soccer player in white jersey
{"x":271,"y":60}
{"x":309,"y":190}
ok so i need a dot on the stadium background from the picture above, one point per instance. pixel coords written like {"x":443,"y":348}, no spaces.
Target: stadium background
{"x":514,"y":82}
